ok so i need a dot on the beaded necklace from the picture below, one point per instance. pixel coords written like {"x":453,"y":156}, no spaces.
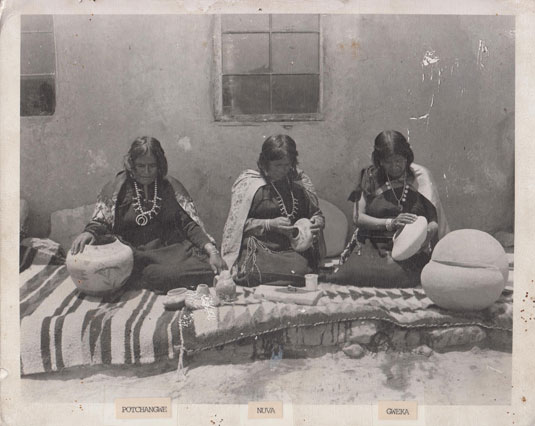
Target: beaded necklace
{"x":403,"y":197}
{"x":144,"y":216}
{"x":280,"y":202}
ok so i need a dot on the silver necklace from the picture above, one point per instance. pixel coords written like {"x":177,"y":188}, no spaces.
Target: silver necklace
{"x":403,"y":197}
{"x":144,"y":216}
{"x":280,"y":202}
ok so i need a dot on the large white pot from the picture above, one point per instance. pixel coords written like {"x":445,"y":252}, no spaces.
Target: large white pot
{"x":467,"y":272}
{"x":101,"y":269}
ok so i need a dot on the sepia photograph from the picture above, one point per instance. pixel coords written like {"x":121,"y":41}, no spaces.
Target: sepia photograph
{"x":226,"y":208}
{"x":286,"y":200}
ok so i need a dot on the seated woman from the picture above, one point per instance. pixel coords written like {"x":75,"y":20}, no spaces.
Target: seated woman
{"x":391,"y":193}
{"x":155,"y":215}
{"x":265,"y":206}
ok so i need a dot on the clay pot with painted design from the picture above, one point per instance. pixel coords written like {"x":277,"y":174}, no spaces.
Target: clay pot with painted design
{"x":101,"y":269}
{"x":304,"y":238}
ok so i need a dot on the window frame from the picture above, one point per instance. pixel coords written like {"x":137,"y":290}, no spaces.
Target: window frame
{"x":53,"y":75}
{"x":257,"y":118}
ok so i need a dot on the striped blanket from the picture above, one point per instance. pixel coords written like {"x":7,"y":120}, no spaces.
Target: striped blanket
{"x":62,"y":328}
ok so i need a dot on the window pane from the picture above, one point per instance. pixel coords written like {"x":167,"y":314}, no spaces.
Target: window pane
{"x":295,"y":94}
{"x":245,"y":53}
{"x":295,"y":23}
{"x":37,"y":53}
{"x":295,"y":53}
{"x":36,"y":23}
{"x":244,"y":23}
{"x":246,"y":94}
{"x":37,"y":96}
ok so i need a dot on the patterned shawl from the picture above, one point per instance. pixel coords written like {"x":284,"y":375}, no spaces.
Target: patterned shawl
{"x":243,"y":192}
{"x":104,"y":212}
{"x":425,"y":185}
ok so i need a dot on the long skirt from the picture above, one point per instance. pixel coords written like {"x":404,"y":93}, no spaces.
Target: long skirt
{"x":162,"y":268}
{"x":374,"y":267}
{"x":260,"y":265}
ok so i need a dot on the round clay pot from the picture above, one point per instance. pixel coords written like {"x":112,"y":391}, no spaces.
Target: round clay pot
{"x":467,"y":272}
{"x":225,"y":286}
{"x":304,"y":239}
{"x":408,"y":241}
{"x":101,"y":269}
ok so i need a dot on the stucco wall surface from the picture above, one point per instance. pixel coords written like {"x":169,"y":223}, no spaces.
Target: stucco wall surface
{"x":445,"y":81}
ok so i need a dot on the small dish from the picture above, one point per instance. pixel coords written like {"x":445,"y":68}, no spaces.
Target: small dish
{"x":176,"y":299}
{"x":177,"y":291}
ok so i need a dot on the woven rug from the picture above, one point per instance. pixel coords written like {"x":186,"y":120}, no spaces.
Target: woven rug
{"x":62,"y":328}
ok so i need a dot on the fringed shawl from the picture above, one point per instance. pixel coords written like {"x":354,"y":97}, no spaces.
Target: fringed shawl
{"x":104,"y":212}
{"x":243,"y":192}
{"x":425,"y":185}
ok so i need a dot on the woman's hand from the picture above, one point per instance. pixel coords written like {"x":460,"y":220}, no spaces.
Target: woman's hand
{"x":432,"y":230}
{"x":317,"y":225}
{"x":282,"y":225}
{"x":217,"y":263}
{"x":81,"y":241}
{"x":403,"y":219}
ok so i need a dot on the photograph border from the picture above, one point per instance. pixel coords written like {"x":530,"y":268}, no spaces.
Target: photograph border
{"x":15,"y":410}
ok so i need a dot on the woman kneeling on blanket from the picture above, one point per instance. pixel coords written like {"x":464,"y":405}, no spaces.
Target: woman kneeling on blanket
{"x":265,"y":206}
{"x":391,"y":193}
{"x":155,"y":215}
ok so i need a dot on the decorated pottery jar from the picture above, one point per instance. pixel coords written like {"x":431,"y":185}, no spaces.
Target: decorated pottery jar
{"x":304,"y":238}
{"x":101,"y":269}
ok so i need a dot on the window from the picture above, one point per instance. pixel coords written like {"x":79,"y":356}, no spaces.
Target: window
{"x":268,"y":68}
{"x":37,"y":66}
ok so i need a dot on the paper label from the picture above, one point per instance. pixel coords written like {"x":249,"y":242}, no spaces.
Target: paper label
{"x":142,"y":408}
{"x":265,"y":410}
{"x":398,"y":410}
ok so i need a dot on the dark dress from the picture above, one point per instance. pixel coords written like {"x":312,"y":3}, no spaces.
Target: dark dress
{"x":267,"y":257}
{"x":168,"y":251}
{"x":370,"y":264}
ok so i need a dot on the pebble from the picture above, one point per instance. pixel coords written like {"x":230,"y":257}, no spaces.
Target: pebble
{"x":363,"y":332}
{"x":423,"y":350}
{"x":354,"y":351}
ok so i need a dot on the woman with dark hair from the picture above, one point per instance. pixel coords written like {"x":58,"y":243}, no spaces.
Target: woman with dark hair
{"x":265,"y":205}
{"x":155,"y":215}
{"x":391,"y":193}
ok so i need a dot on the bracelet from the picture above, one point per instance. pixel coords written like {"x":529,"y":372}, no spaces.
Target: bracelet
{"x":212,"y":250}
{"x":389,"y":224}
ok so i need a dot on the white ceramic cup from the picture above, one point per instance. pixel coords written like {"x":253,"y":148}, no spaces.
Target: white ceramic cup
{"x":311,"y":282}
{"x":203,"y":290}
